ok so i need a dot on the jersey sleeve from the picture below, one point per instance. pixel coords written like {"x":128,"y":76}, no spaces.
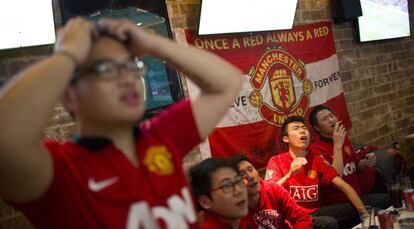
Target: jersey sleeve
{"x":56,"y":193}
{"x":276,"y":169}
{"x":175,"y":127}
{"x":328,"y":173}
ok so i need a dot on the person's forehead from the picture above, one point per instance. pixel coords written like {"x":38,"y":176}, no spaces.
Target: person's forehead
{"x":323,"y":113}
{"x":244,"y":165}
{"x":108,"y":49}
{"x":223,"y":173}
{"x":293,"y":124}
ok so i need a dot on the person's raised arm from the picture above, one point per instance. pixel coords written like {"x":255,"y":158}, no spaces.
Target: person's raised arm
{"x":26,"y":104}
{"x":338,"y":138}
{"x":219,"y":81}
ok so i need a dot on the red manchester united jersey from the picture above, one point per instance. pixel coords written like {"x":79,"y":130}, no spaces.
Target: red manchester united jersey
{"x":96,"y":186}
{"x":212,"y":220}
{"x":324,"y":147}
{"x":277,"y":210}
{"x":304,"y":186}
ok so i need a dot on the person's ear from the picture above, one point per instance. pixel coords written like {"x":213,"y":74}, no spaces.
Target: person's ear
{"x":205,"y":201}
{"x":69,"y":99}
{"x":317,"y":128}
{"x":285,"y":139}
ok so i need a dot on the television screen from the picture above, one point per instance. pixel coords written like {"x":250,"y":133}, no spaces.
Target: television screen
{"x":26,"y":23}
{"x":383,"y":19}
{"x":239,"y":16}
{"x":162,"y":84}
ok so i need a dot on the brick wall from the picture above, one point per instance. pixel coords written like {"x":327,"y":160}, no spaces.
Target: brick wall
{"x":377,"y":77}
{"x":378,"y":80}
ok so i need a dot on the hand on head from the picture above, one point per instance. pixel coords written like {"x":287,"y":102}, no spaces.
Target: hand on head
{"x":141,"y":40}
{"x":77,"y":36}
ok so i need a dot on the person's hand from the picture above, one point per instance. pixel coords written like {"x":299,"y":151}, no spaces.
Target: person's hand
{"x":76,"y":38}
{"x":371,"y":159}
{"x":339,"y":134}
{"x":297,"y":164}
{"x":394,"y":152}
{"x":142,"y":40}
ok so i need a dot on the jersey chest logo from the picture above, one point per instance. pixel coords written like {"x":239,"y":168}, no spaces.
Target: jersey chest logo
{"x":178,"y":213}
{"x":312,"y":174}
{"x":159,"y":160}
{"x":349,"y":168}
{"x":347,"y":150}
{"x":96,"y":186}
{"x":267,"y":218}
{"x":304,"y":193}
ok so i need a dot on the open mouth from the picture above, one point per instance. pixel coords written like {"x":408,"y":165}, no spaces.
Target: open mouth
{"x":304,"y":138}
{"x":130,"y":98}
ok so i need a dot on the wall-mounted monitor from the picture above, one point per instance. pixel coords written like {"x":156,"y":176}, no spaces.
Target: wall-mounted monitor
{"x":162,"y":84}
{"x":26,"y":23}
{"x":383,"y":19}
{"x":240,"y":16}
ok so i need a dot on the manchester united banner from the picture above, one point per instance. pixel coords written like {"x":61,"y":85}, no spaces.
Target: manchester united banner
{"x":286,"y":73}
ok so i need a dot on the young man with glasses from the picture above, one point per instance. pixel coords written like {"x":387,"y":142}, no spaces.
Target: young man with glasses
{"x":270,"y":206}
{"x":220,"y":193}
{"x":114,"y":175}
{"x":302,"y":174}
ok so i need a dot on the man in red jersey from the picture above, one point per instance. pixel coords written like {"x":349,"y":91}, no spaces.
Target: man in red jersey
{"x":114,"y":175}
{"x":220,"y":193}
{"x":270,"y":205}
{"x":336,"y":148}
{"x":302,"y":174}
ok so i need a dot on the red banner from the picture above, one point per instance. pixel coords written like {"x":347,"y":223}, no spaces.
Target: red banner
{"x":286,"y":73}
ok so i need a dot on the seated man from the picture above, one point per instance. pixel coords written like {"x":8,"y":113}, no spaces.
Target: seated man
{"x":270,"y":206}
{"x":220,"y":192}
{"x":302,"y":174}
{"x":333,"y":145}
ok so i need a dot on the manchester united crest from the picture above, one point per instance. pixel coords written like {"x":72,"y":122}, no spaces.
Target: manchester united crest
{"x":285,"y":77}
{"x":159,"y":160}
{"x":347,"y":150}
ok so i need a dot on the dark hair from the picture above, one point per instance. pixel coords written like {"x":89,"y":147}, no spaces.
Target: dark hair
{"x":239,"y":158}
{"x":288,"y":121}
{"x":200,"y":174}
{"x":312,"y":116}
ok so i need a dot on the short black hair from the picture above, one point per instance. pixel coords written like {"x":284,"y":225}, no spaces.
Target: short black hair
{"x":288,"y":121}
{"x":200,"y":175}
{"x":239,"y":158}
{"x":312,"y":116}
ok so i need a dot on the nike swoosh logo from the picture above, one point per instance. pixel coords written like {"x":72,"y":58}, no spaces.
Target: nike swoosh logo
{"x":96,"y":186}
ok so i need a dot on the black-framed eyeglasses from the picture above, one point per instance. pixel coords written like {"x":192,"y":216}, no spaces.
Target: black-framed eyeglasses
{"x":228,"y":186}
{"x":109,"y":70}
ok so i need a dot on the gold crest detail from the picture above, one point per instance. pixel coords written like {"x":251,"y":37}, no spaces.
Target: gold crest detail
{"x":347,"y":150}
{"x":312,"y":174}
{"x":159,"y":160}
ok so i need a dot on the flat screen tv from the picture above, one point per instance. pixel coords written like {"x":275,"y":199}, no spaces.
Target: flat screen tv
{"x":162,"y":84}
{"x":241,"y":16}
{"x":383,"y":19}
{"x":26,"y":23}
